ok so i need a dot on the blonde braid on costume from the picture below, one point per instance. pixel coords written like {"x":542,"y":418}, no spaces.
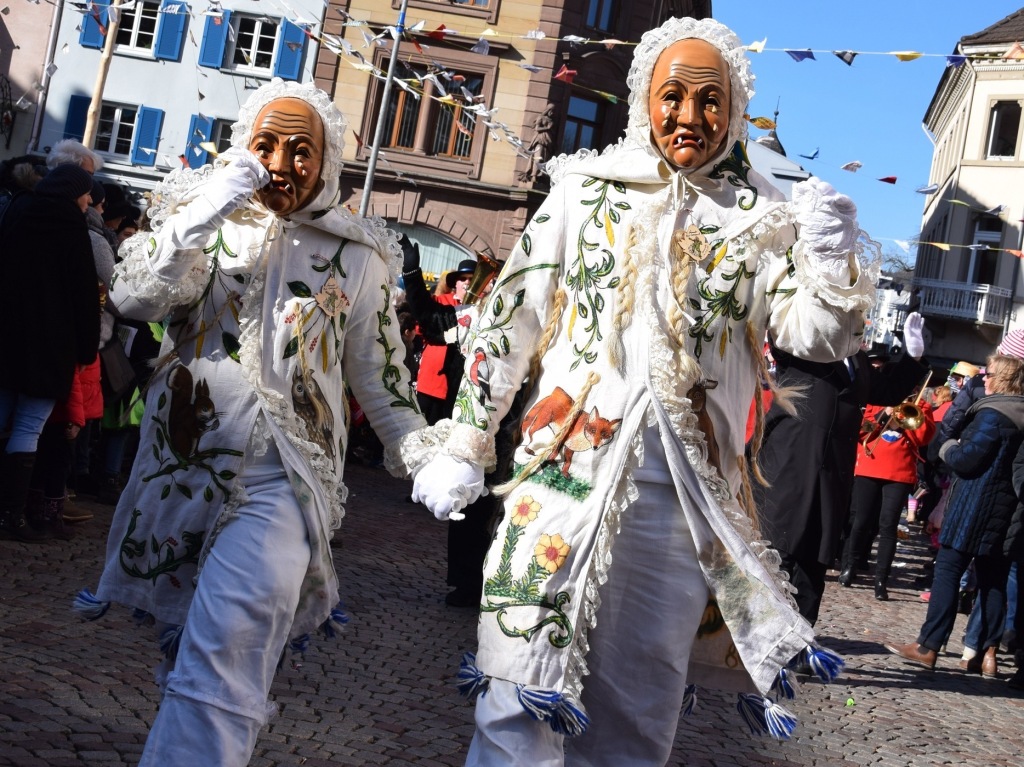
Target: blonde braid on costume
{"x":680,"y":265}
{"x":561,"y":298}
{"x":542,"y":457}
{"x":625,"y":300}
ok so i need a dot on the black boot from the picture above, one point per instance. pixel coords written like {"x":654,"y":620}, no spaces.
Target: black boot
{"x":53,"y":519}
{"x":881,"y":592}
{"x":15,"y":476}
{"x":846,"y":576}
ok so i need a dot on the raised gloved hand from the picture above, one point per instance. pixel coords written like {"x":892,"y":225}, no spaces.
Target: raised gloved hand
{"x":410,"y":254}
{"x":446,"y":485}
{"x":237,"y":176}
{"x":913,"y":335}
{"x":827,"y":219}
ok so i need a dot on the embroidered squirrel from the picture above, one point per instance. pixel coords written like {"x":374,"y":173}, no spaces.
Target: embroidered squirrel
{"x":588,"y":432}
{"x":189,"y":419}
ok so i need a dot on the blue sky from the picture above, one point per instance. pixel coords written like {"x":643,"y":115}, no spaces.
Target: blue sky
{"x":871,"y":111}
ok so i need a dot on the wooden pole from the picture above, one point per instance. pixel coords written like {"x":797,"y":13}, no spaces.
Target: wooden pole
{"x":92,"y":117}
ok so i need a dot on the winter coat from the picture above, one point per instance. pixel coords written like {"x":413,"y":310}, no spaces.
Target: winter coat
{"x":92,"y":390}
{"x":892,"y":455}
{"x":808,"y":458}
{"x":50,"y":298}
{"x":982,"y":499}
{"x":952,"y":422}
{"x":71,"y":409}
{"x":267,"y":319}
{"x":1014,"y":545}
{"x":441,"y":363}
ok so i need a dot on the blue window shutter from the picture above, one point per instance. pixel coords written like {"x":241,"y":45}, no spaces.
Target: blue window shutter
{"x":78,"y":110}
{"x":291,"y":47}
{"x":200,"y":128}
{"x":91,"y":36}
{"x":147,"y":136}
{"x":170,"y":35}
{"x":215,"y":40}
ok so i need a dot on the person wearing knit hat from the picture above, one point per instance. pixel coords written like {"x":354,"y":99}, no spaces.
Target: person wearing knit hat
{"x":69,"y":182}
{"x":47,"y":275}
{"x":1012,"y":344}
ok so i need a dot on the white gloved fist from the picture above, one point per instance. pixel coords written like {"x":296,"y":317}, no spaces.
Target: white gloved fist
{"x":913,"y":335}
{"x":238,"y":174}
{"x":827,"y":219}
{"x":446,"y":485}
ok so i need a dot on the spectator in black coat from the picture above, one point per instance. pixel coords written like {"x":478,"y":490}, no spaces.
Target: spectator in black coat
{"x":51,"y":303}
{"x":808,"y":457}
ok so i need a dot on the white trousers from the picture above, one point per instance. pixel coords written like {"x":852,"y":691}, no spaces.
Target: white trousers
{"x":215,"y":701}
{"x":651,"y":607}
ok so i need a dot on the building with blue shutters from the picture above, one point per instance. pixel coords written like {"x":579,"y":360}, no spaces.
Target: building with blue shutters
{"x":179,"y":72}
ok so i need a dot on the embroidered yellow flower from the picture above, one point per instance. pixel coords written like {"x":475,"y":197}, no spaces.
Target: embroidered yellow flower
{"x":331,"y":299}
{"x":524,"y":511}
{"x":551,"y":552}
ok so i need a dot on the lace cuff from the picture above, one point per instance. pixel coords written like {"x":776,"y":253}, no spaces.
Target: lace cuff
{"x":406,"y":455}
{"x":468,"y":443}
{"x":142,"y":282}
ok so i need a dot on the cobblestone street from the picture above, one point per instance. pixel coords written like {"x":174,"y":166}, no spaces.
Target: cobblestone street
{"x":74,"y":693}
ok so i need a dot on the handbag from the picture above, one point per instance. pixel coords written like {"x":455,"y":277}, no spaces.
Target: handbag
{"x":116,"y":374}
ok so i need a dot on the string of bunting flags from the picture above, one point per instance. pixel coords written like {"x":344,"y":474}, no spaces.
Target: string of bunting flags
{"x":447,"y":86}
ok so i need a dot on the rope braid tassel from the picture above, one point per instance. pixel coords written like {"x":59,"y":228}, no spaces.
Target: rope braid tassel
{"x":765,"y":717}
{"x":689,"y":700}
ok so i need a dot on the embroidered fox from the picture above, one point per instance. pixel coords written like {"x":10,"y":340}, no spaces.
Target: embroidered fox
{"x":589,"y":431}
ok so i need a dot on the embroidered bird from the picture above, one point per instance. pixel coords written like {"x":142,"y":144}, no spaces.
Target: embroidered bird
{"x":480,"y":374}
{"x":312,"y":407}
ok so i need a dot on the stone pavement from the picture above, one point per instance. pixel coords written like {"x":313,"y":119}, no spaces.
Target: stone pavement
{"x":74,"y":693}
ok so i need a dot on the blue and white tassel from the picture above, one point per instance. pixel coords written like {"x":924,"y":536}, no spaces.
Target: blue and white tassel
{"x":564,"y":716}
{"x":170,"y":640}
{"x":764,"y":716}
{"x":825,"y":664}
{"x":471,"y":681}
{"x":690,"y":700}
{"x":88,"y":607}
{"x":335,"y":623}
{"x":785,"y":684}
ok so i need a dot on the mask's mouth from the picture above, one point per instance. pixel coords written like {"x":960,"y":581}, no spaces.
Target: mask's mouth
{"x":280,"y":186}
{"x":685,"y":138}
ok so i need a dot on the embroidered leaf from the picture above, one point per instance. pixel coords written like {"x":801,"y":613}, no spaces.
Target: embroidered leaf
{"x":590,"y":182}
{"x":622,"y":205}
{"x":527,"y":244}
{"x":506,"y":347}
{"x":323,"y":357}
{"x":208,"y":494}
{"x":499,"y":304}
{"x":520,"y":296}
{"x":154,"y":544}
{"x":238,"y":278}
{"x":542,"y":218}
{"x":300,"y":289}
{"x":292,"y":348}
{"x":160,"y":439}
{"x":161,"y":401}
{"x":165,"y":492}
{"x":231,"y":345}
{"x":184,"y":490}
{"x":495,"y":352}
{"x":582,"y":310}
{"x":226,"y":474}
{"x":608,"y":230}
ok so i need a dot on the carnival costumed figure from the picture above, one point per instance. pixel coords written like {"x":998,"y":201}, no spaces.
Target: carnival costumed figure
{"x":272,"y":293}
{"x":635,"y":304}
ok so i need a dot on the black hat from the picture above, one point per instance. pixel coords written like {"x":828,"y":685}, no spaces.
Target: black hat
{"x":97,"y":193}
{"x":67,"y":181}
{"x":465,"y":267}
{"x":879,"y":353}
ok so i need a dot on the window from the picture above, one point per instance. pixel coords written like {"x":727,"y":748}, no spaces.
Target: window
{"x":447,"y":129}
{"x":983,"y":261}
{"x":115,"y":129}
{"x":429,"y":123}
{"x":138,"y":26}
{"x":221,"y":137}
{"x":1003,"y":128}
{"x":124,"y":132}
{"x":486,"y":10}
{"x":601,"y":14}
{"x":255,"y":39}
{"x":582,"y":125}
{"x":254,"y":45}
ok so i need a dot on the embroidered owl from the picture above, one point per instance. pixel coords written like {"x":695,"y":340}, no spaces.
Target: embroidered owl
{"x":312,"y":407}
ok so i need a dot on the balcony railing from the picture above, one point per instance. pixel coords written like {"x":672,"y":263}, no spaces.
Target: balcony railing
{"x":982,"y":304}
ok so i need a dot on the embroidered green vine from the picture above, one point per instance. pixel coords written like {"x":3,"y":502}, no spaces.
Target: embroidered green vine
{"x":168,"y":560}
{"x":718,"y":303}
{"x":322,"y":313}
{"x":586,"y":279}
{"x":735,"y":169}
{"x":391,"y":375}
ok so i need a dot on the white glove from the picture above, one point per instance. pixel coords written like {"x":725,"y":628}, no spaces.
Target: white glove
{"x":913,"y":335}
{"x":446,"y":485}
{"x":827,"y":219}
{"x":237,"y":176}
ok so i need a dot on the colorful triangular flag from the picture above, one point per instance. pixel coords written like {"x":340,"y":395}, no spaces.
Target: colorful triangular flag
{"x":906,"y":55}
{"x":565,"y":74}
{"x":930,"y":189}
{"x":852,"y":166}
{"x":888,"y":179}
{"x":757,"y":47}
{"x":801,"y":55}
{"x":1016,"y":52}
{"x":955,"y":60}
{"x":846,"y":57}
